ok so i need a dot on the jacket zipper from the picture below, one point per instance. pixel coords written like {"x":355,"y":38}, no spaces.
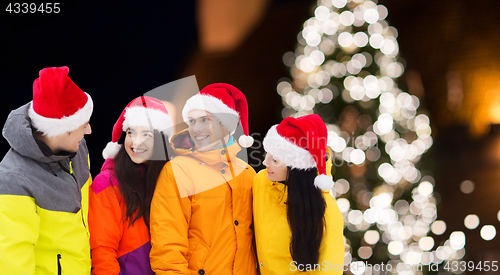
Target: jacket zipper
{"x":59,"y":269}
{"x":70,"y":172}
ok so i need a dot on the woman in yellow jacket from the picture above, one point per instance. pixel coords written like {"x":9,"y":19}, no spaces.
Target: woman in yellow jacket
{"x":298,"y":224}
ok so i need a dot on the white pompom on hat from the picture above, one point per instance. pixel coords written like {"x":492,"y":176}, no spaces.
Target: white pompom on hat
{"x":58,"y":105}
{"x":301,"y":143}
{"x":225,"y":102}
{"x":142,"y":111}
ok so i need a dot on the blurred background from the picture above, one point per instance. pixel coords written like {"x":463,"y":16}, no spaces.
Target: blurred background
{"x":449,"y":58}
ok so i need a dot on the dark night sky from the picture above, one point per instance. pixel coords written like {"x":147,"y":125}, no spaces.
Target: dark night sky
{"x":115,"y":50}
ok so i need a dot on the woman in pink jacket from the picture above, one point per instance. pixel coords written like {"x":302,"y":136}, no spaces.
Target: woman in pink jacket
{"x":120,"y":196}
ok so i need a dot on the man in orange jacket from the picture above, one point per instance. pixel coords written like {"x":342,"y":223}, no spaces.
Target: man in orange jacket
{"x":201,"y":213}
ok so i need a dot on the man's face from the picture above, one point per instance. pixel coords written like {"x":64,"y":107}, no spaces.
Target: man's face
{"x":70,"y":141}
{"x":206,"y":131}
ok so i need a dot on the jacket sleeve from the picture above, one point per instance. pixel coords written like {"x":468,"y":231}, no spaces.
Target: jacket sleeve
{"x":19,"y":230}
{"x":105,"y":225}
{"x":170,"y":217}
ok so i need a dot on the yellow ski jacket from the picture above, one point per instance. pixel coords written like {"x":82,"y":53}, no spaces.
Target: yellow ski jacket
{"x":43,"y":205}
{"x":272,"y":232}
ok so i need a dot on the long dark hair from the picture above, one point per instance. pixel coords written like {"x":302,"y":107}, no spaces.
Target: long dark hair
{"x":306,"y":215}
{"x":137,"y":182}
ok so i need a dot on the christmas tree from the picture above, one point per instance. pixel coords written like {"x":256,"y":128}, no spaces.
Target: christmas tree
{"x":345,"y":68}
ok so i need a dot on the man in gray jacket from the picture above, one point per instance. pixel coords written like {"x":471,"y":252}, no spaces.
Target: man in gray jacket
{"x":44,"y":180}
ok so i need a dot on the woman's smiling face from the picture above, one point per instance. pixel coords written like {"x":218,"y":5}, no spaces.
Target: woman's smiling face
{"x":276,"y":171}
{"x":139,"y":143}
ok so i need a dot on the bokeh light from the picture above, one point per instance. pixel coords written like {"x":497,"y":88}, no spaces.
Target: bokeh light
{"x":471,"y":221}
{"x":426,"y":243}
{"x":365,"y":252}
{"x":488,"y":232}
{"x":438,"y":227}
{"x":457,"y":240}
{"x":467,"y":186}
{"x":395,"y":247}
{"x":371,"y":237}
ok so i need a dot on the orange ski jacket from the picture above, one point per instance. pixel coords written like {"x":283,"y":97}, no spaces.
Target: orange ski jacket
{"x":201,"y":213}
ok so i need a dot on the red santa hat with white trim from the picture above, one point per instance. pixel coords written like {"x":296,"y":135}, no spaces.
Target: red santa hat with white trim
{"x":142,"y":111}
{"x":225,"y":102}
{"x":300,"y":143}
{"x":58,"y":105}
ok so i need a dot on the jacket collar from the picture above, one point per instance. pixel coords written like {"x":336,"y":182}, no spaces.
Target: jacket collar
{"x":224,"y":155}
{"x":182,"y":145}
{"x":48,"y":152}
{"x":278,"y":191}
{"x":109,"y":164}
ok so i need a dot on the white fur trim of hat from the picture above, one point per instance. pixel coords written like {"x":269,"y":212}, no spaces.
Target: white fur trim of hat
{"x":56,"y":126}
{"x":227,"y":116}
{"x":286,"y":151}
{"x":148,"y":117}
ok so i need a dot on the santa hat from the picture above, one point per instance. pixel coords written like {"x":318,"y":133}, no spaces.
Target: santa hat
{"x":225,"y":102}
{"x":301,"y":143}
{"x":142,"y":111}
{"x":58,"y":105}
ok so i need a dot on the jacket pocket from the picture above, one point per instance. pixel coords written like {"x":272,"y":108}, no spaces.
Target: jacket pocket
{"x":59,"y":269}
{"x":198,"y":257}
